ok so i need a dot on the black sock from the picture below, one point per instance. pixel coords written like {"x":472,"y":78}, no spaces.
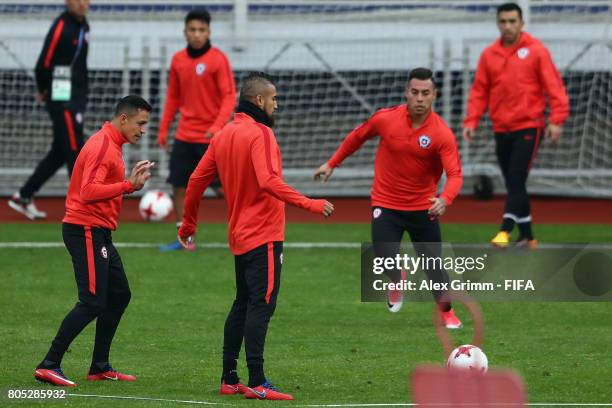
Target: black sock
{"x":256,"y":375}
{"x":230,"y":375}
{"x":48,"y":365}
{"x":507,"y":224}
{"x":445,"y":306}
{"x":99,"y":367}
{"x":525,"y":230}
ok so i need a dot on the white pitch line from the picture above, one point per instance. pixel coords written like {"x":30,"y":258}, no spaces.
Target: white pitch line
{"x":146,"y":399}
{"x":498,"y":404}
{"x":208,"y":245}
{"x":125,"y":397}
{"x":300,"y":245}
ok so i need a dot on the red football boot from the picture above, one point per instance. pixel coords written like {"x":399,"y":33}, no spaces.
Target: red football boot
{"x":450,"y":320}
{"x":55,"y":377}
{"x":266,"y":391}
{"x":232,"y":389}
{"x":110,"y":374}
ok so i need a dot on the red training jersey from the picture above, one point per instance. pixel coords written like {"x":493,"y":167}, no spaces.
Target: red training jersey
{"x":247,"y":159}
{"x":409,"y":162}
{"x":98,"y":181}
{"x":514,"y":83}
{"x":203,"y":90}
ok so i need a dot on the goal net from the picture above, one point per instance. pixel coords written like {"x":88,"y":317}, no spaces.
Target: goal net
{"x":336,"y":62}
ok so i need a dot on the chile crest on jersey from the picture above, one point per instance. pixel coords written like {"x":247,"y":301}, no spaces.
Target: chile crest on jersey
{"x":200,"y":68}
{"x":424,"y":141}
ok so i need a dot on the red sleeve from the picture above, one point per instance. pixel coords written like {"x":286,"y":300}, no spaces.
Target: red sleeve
{"x":173,"y":100}
{"x":200,"y":179}
{"x":267,"y":169}
{"x":95,"y":170}
{"x":452,"y":166}
{"x":479,"y":95}
{"x":354,"y":141}
{"x":553,"y":85}
{"x":227,"y":89}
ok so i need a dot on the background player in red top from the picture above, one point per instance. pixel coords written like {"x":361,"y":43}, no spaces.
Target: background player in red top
{"x":416,"y":146}
{"x":247,"y":159}
{"x":62,"y":84}
{"x":93,"y":204}
{"x":201,"y":87}
{"x":514,"y":78}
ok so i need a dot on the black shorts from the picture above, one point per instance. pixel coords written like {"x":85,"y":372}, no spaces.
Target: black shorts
{"x":516,"y":151}
{"x":258,"y":273}
{"x":388,"y":227}
{"x":183,"y":161}
{"x":99,"y":273}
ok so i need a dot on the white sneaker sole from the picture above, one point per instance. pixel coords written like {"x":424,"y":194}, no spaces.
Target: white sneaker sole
{"x":396,"y":307}
{"x":21,"y":210}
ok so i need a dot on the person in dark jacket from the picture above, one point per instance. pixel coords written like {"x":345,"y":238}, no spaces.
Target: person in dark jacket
{"x":61,"y":79}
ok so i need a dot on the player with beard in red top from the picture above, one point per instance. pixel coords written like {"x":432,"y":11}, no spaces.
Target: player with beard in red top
{"x":247,"y":159}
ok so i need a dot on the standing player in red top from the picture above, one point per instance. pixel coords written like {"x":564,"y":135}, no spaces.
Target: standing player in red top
{"x":415,"y":146}
{"x":201,"y":86}
{"x":93,"y":204}
{"x":247,"y":159}
{"x":514,"y":78}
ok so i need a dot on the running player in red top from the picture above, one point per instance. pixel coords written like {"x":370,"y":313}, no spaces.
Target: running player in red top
{"x":201,"y":87}
{"x":93,"y":204}
{"x":416,"y":146}
{"x":514,"y":78}
{"x":247,"y":159}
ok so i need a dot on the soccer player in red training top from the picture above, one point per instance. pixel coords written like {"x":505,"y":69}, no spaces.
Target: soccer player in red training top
{"x":62,"y":84}
{"x":416,"y":145}
{"x":201,"y":86}
{"x":93,"y":204}
{"x":514,"y":78}
{"x":247,"y":159}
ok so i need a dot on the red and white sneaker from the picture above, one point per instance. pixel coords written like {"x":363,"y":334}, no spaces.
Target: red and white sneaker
{"x":395,"y":298}
{"x":232,"y":389}
{"x":55,"y":377}
{"x":266,"y":391}
{"x":110,"y":375}
{"x":450,"y":320}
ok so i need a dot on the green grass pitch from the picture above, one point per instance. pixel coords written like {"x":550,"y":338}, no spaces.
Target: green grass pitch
{"x":324,"y":345}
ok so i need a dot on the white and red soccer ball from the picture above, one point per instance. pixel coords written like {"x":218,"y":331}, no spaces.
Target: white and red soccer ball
{"x":155,"y":205}
{"x":468,"y":358}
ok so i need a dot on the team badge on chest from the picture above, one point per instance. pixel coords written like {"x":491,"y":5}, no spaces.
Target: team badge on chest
{"x":200,"y":68}
{"x":424,"y":141}
{"x":522,"y":53}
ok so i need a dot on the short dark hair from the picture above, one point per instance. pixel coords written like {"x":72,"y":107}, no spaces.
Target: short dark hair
{"x":422,"y":74}
{"x":253,"y":84}
{"x":131,"y":104}
{"x":199,"y":14}
{"x":510,"y":7}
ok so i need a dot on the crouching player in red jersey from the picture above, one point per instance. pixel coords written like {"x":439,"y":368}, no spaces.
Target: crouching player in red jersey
{"x":247,"y":160}
{"x":416,"y":145}
{"x":93,"y":204}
